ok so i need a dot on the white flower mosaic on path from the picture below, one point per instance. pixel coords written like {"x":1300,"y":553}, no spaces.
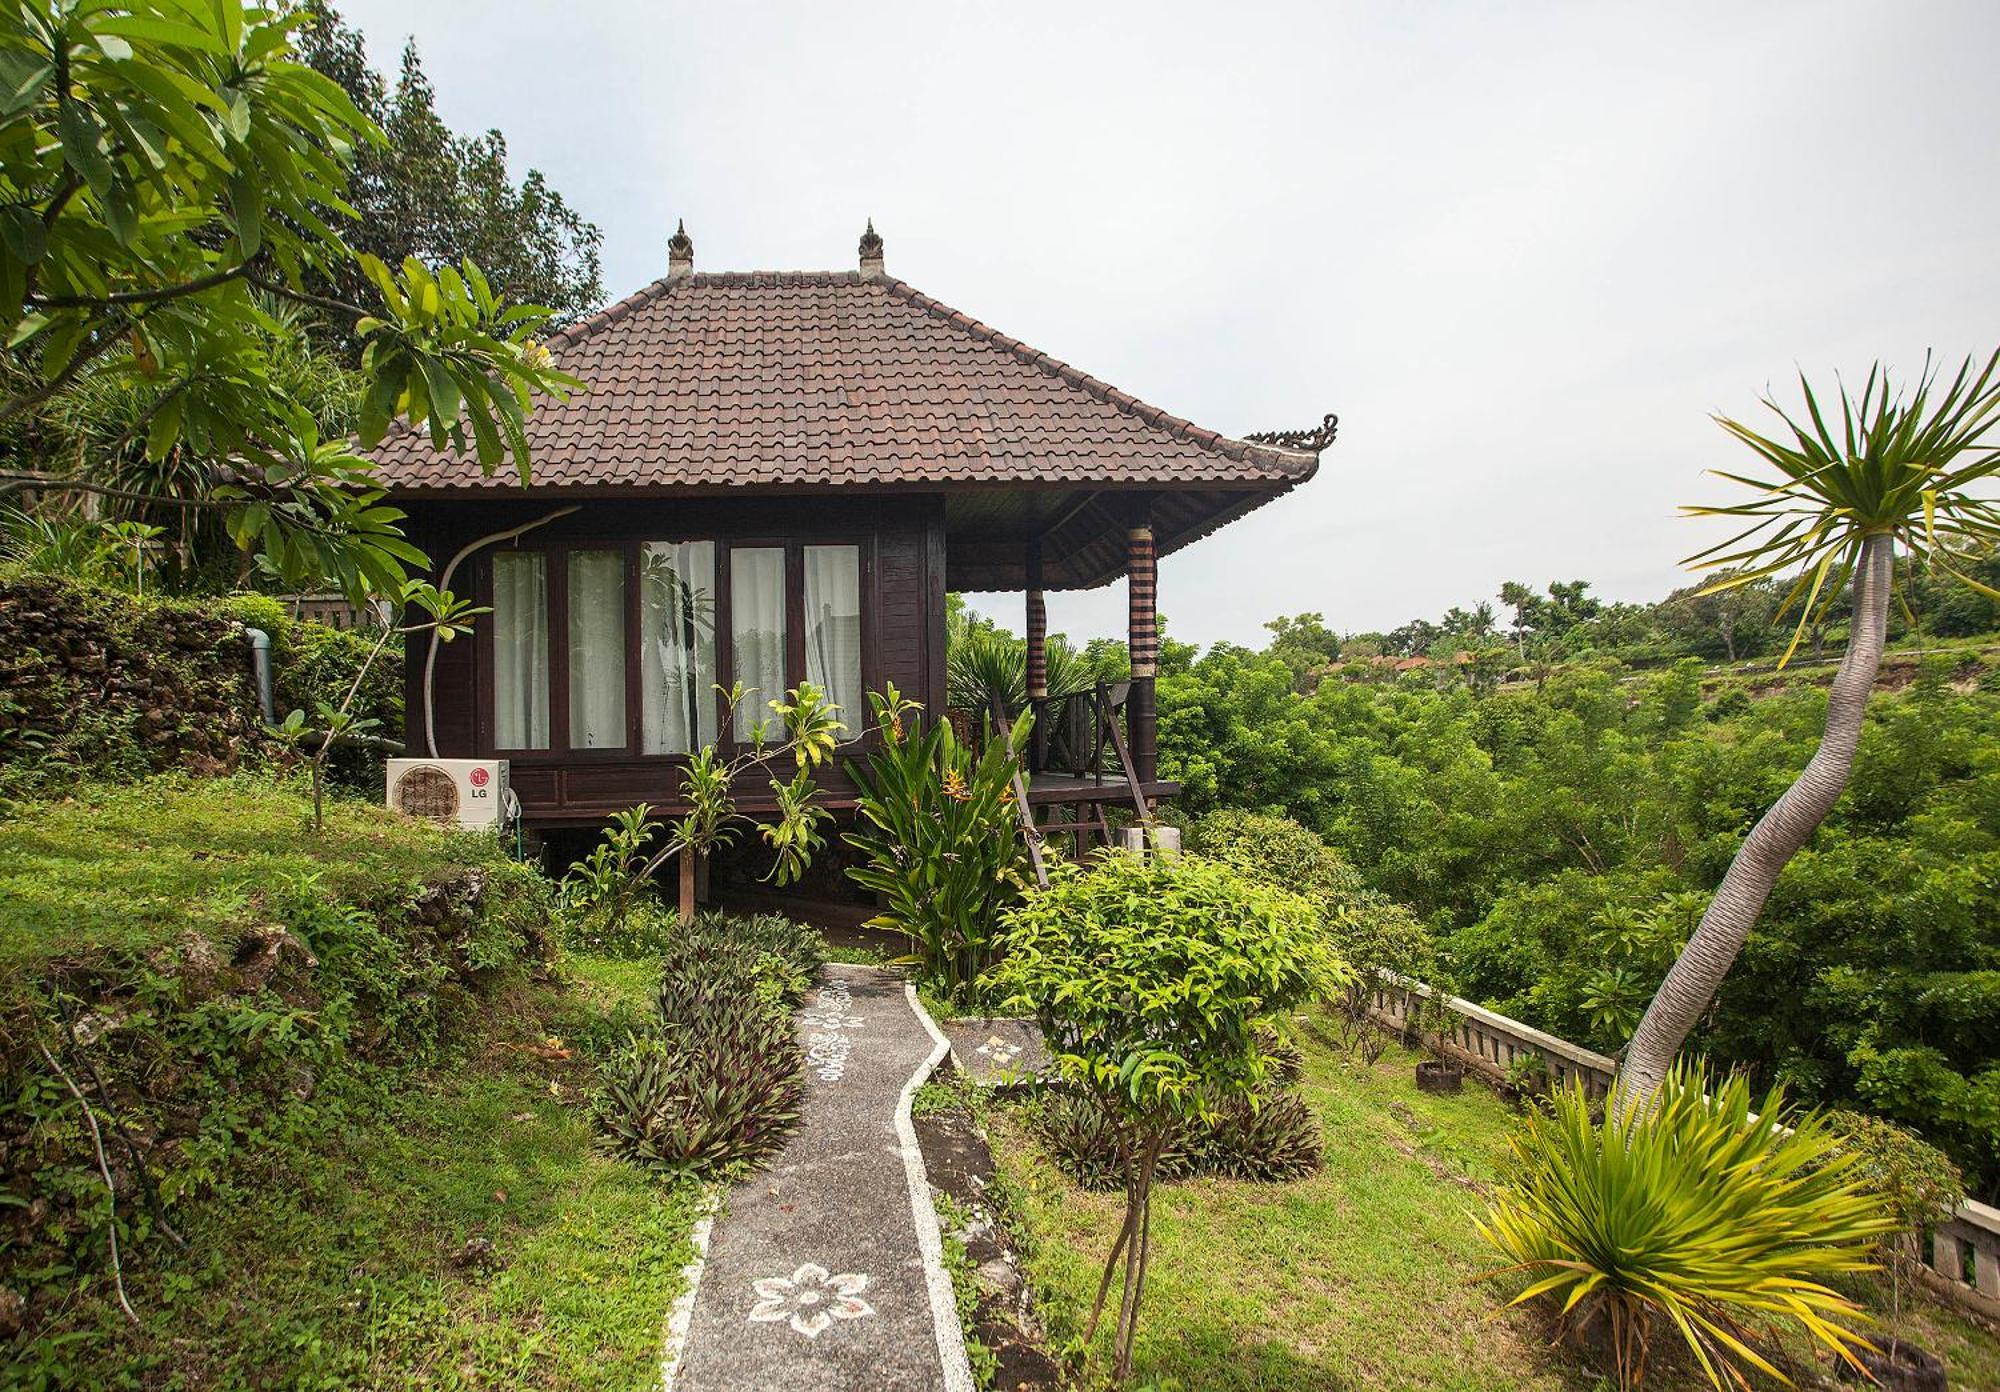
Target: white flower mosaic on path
{"x":810,"y":1299}
{"x":999,"y":1050}
{"x":826,"y":1047}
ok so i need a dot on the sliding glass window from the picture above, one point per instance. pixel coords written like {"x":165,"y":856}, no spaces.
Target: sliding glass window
{"x":597,"y":650}
{"x":677,"y":646}
{"x":757,"y":636}
{"x":833,"y":628}
{"x":520,"y":650}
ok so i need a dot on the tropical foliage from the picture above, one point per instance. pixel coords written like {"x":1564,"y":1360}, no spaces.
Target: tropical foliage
{"x":939,"y":838}
{"x":1905,"y":470}
{"x":1379,"y":939}
{"x":1155,"y":979}
{"x":174,"y":169}
{"x":713,"y":1081}
{"x":1694,"y":1217}
{"x":1560,"y":838}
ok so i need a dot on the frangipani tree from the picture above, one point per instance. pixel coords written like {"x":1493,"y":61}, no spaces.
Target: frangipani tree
{"x":1895,"y":472}
{"x":167,"y":170}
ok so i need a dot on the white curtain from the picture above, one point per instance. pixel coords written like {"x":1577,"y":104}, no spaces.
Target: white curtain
{"x":833,"y":628}
{"x":757,"y":635}
{"x":597,"y":650}
{"x":677,"y":645}
{"x":520,"y":650}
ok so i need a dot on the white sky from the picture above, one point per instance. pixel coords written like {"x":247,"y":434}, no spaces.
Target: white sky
{"x":1522,"y":249}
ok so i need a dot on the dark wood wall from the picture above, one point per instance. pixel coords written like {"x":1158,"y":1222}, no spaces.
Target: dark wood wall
{"x":903,"y":578}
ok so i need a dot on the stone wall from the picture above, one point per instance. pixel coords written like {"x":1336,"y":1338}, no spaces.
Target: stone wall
{"x":98,"y":683}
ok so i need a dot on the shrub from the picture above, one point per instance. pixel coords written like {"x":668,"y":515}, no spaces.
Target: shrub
{"x":1276,"y":1139}
{"x":940,"y":838}
{"x":1914,"y":1181}
{"x":1692,"y":1211}
{"x":714,"y":1081}
{"x":1153,"y":978}
{"x":1373,"y":934}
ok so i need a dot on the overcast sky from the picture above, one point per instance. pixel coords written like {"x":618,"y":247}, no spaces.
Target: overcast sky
{"x":1522,"y":249}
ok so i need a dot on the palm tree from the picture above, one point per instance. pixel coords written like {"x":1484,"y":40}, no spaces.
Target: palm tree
{"x":1899,"y":473}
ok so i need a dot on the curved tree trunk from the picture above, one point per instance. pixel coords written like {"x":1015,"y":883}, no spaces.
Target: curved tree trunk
{"x":1697,"y":974}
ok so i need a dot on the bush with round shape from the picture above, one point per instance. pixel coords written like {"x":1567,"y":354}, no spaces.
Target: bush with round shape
{"x":1376,"y":936}
{"x":1153,"y":978}
{"x":1694,"y":1213}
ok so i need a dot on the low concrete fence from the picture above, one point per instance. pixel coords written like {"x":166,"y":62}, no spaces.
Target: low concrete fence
{"x":1491,"y":1043}
{"x":1960,"y":1258}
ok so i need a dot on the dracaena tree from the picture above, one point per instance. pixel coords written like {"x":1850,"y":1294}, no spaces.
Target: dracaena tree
{"x":166,"y":171}
{"x":1896,"y":473}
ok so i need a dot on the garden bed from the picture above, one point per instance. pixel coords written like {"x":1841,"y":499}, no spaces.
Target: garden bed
{"x":1367,"y":1275}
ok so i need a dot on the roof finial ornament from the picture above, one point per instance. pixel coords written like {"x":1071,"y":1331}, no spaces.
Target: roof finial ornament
{"x":871,"y":251}
{"x":680,"y":251}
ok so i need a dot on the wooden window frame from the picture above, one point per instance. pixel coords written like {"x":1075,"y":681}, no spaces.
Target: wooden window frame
{"x":556,"y":562}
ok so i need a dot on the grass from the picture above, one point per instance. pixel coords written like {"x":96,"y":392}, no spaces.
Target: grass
{"x":1365,"y":1276}
{"x":344,"y":1262}
{"x":112,"y":871}
{"x":1356,"y":1278}
{"x":380,"y":1158}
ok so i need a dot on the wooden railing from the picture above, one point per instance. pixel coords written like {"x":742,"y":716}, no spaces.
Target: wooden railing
{"x":1077,"y":735}
{"x":1959,"y":1258}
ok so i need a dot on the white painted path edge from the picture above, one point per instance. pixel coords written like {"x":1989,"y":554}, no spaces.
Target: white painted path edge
{"x":930,"y":1237}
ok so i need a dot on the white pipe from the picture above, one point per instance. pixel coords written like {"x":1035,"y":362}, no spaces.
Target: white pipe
{"x":444,"y":583}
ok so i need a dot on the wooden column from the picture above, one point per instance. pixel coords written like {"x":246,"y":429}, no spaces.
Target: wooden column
{"x":1143,"y":642}
{"x":1038,"y":627}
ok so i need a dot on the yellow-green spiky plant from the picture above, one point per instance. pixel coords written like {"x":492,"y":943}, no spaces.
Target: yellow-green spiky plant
{"x":1695,"y":1213}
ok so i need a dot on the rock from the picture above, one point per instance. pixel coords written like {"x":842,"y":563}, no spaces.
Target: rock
{"x":259,"y":953}
{"x":477,"y":1255}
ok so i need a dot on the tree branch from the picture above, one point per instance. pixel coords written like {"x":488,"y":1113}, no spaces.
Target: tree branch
{"x":141,"y":297}
{"x":20,"y":483}
{"x":16,"y":405}
{"x":286,"y":292}
{"x":104,"y":1169}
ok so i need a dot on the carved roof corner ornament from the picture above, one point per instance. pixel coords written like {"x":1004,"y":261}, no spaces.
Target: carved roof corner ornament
{"x":1314,"y":439}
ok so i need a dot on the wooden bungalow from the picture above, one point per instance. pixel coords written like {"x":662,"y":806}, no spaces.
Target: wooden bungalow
{"x":777,"y":476}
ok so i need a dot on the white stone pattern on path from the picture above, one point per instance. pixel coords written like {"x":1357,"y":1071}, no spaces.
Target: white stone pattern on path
{"x":824,"y":1272}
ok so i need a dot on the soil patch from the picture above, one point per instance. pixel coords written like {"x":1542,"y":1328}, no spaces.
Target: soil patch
{"x":960,"y":1166}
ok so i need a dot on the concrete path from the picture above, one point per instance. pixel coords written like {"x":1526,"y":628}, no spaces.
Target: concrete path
{"x":823,"y":1272}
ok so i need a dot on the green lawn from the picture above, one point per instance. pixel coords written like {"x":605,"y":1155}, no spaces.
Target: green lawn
{"x":112,"y":870}
{"x":1366,"y":1276}
{"x":345,"y":1262}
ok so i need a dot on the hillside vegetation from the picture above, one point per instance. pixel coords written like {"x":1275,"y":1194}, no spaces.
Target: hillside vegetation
{"x":346,"y":1070}
{"x":1562,"y":836}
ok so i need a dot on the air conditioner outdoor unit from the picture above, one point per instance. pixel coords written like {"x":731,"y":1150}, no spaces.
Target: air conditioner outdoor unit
{"x":468,"y":792}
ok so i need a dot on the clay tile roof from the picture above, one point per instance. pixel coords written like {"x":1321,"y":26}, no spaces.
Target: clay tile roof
{"x":742,"y":379}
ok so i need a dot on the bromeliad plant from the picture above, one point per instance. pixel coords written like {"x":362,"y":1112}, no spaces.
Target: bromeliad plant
{"x":1694,"y":1213}
{"x":714,"y":1083}
{"x":941,"y":841}
{"x":1155,"y":980}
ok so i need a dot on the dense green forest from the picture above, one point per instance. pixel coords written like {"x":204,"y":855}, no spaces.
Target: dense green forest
{"x":1557,"y":796}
